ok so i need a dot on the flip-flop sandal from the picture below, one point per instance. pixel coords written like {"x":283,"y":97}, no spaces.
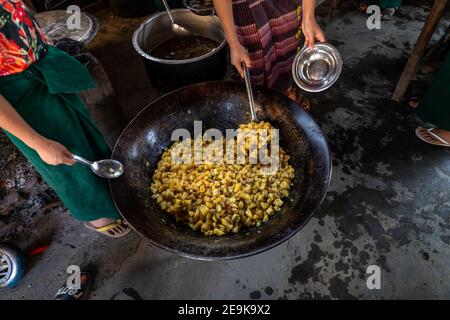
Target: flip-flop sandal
{"x":422,"y":134}
{"x":67,"y":293}
{"x":430,"y":67}
{"x":117,"y":229}
{"x":414,"y":102}
{"x":300,"y":99}
{"x":363,"y":7}
{"x":388,"y":13}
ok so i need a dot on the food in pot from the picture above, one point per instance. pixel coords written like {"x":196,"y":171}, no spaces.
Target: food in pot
{"x":184,"y":47}
{"x":219,"y":198}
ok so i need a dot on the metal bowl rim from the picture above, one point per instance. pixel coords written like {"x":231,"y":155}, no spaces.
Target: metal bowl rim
{"x":334,"y":53}
{"x":94,"y":24}
{"x":145,"y":55}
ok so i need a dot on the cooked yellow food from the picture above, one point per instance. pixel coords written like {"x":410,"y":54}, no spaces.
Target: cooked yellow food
{"x":218,"y":198}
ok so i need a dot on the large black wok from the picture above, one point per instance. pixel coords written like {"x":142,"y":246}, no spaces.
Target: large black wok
{"x":219,"y":105}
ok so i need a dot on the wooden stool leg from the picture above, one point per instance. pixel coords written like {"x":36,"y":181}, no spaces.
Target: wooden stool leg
{"x":411,"y":66}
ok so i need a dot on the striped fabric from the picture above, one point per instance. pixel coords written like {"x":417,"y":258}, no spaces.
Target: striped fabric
{"x":270,"y":31}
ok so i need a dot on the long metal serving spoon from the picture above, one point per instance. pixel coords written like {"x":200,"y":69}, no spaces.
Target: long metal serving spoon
{"x":175,"y":27}
{"x":107,"y":168}
{"x":251,"y":100}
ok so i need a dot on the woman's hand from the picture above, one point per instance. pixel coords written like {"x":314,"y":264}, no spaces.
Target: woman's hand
{"x":224,"y":10}
{"x":54,"y":153}
{"x":238,"y":55}
{"x":312,"y":31}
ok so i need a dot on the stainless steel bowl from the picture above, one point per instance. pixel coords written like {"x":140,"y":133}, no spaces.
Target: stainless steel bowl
{"x":54,"y":26}
{"x":316,"y":69}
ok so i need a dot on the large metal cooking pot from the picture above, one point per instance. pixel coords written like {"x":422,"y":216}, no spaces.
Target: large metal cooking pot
{"x":220,"y":105}
{"x":167,"y":75}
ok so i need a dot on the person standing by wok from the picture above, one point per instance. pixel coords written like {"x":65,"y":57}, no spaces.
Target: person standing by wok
{"x":43,"y":116}
{"x":434,"y":109}
{"x":265,"y":35}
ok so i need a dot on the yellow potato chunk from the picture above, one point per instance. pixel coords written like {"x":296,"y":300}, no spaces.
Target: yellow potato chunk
{"x":219,"y":198}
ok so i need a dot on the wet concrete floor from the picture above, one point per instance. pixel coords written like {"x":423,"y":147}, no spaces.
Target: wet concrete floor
{"x":388,"y":203}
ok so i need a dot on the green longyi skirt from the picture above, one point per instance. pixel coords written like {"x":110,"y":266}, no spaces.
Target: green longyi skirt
{"x":45,"y":95}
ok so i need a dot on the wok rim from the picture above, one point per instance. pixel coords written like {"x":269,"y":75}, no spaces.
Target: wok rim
{"x":252,"y":252}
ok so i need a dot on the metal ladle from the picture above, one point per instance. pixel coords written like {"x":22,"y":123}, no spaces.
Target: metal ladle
{"x":107,"y":168}
{"x":175,"y":27}
{"x":251,"y":100}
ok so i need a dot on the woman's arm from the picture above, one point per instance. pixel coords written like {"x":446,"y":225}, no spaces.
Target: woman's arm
{"x":239,"y":54}
{"x":50,"y":151}
{"x":311,"y":29}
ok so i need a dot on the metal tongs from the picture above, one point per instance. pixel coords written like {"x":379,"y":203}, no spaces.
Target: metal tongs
{"x":251,"y":100}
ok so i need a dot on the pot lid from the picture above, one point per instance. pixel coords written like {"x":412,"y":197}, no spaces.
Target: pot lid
{"x":54,"y":25}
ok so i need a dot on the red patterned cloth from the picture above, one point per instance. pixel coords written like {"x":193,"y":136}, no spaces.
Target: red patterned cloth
{"x":21,"y":42}
{"x":270,"y":31}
